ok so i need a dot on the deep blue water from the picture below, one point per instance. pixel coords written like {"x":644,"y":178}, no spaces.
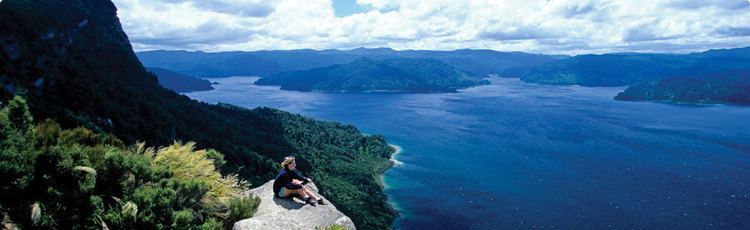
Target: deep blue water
{"x":517,"y":155}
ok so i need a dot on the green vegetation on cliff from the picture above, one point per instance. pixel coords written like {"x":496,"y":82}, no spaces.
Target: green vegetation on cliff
{"x":54,"y":178}
{"x":74,"y":65}
{"x":364,"y":74}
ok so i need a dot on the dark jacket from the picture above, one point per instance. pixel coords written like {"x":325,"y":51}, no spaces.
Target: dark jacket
{"x":284,"y":179}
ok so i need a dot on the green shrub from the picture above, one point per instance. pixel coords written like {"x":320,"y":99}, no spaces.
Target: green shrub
{"x":182,"y":219}
{"x":241,"y":208}
{"x":17,"y":113}
{"x":16,"y":155}
{"x":212,"y":224}
{"x":216,"y":157}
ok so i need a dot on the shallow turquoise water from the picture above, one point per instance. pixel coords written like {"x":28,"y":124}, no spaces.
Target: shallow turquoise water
{"x":516,"y":155}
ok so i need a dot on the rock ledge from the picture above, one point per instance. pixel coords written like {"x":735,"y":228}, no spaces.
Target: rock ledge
{"x":291,"y":213}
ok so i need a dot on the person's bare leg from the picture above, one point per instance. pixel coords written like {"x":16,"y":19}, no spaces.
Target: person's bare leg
{"x":303,"y":191}
{"x":310,"y":193}
{"x":289,"y":192}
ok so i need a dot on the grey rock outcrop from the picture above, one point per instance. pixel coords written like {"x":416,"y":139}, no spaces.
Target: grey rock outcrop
{"x":291,"y":213}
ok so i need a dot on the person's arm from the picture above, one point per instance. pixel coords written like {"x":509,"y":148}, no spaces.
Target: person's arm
{"x":289,"y":181}
{"x":296,"y":175}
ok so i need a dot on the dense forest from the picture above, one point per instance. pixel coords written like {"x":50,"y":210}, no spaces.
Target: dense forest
{"x":266,"y":62}
{"x":179,"y":82}
{"x":731,"y":87}
{"x":391,"y":75}
{"x":74,"y":65}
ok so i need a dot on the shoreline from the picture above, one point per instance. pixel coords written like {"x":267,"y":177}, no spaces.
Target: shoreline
{"x":386,"y":186}
{"x":394,"y":163}
{"x":393,"y":159}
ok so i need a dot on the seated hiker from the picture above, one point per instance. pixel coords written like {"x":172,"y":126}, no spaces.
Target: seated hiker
{"x":289,"y":182}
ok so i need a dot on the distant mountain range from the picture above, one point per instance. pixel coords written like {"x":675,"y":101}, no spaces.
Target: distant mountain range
{"x":639,"y":70}
{"x":179,"y":82}
{"x":714,"y":76}
{"x":623,"y":69}
{"x":260,"y":63}
{"x":390,"y":75}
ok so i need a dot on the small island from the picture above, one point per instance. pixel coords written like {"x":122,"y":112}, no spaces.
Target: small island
{"x":416,"y":75}
{"x":179,"y":82}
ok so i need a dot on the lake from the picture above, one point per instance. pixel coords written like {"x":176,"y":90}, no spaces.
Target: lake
{"x":517,"y":155}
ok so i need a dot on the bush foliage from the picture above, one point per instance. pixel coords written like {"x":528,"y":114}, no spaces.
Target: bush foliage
{"x":79,"y":179}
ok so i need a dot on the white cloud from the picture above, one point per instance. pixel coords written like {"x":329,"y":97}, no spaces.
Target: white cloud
{"x":556,"y":26}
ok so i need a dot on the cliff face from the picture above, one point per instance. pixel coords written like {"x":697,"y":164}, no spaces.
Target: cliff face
{"x":291,"y":213}
{"x":76,"y":64}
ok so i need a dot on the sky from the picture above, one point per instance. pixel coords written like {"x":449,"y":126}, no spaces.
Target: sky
{"x":534,"y":26}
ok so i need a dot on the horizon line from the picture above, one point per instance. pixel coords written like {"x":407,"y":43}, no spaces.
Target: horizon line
{"x":389,"y":48}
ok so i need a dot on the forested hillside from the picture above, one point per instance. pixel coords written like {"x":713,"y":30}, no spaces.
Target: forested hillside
{"x":390,"y":75}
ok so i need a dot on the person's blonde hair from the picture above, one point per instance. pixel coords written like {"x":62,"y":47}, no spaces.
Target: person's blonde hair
{"x":287,"y":160}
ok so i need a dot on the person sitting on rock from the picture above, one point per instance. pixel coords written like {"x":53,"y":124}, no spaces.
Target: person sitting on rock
{"x":289,"y":182}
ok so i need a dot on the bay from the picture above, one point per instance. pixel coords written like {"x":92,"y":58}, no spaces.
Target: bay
{"x":517,"y":155}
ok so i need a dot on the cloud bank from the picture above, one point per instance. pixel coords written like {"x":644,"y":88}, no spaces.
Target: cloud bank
{"x":552,"y":27}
